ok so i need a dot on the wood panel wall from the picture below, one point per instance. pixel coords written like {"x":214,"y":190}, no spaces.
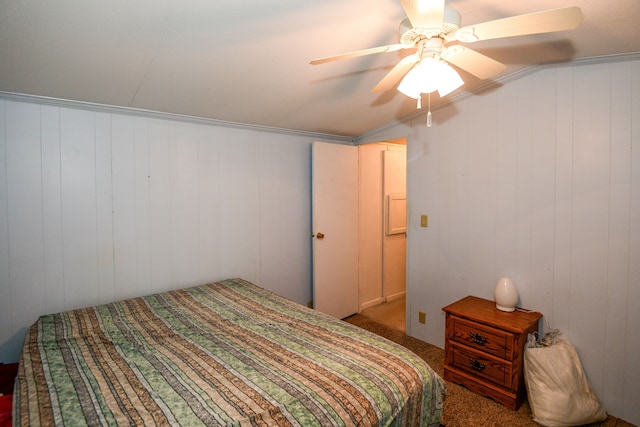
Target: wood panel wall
{"x":538,"y":179}
{"x":97,"y":206}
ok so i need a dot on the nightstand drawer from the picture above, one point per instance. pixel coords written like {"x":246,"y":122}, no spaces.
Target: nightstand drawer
{"x":480,"y":365}
{"x":482,"y":337}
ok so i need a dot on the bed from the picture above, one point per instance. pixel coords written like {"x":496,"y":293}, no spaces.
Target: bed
{"x":224,"y":353}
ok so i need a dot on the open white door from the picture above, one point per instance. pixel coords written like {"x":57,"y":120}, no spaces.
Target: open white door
{"x":335,"y":228}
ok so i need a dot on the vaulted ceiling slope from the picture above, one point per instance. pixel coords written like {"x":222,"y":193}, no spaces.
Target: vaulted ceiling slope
{"x":248,"y":61}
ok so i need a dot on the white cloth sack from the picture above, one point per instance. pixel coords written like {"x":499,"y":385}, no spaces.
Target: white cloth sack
{"x":559,"y":392}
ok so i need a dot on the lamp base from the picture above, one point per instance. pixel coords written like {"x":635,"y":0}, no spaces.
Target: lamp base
{"x":507,"y":309}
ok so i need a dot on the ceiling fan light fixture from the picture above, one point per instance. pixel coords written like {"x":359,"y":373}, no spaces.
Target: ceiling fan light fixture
{"x":429,"y":75}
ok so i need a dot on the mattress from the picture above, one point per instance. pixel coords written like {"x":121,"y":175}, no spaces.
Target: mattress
{"x":224,"y":353}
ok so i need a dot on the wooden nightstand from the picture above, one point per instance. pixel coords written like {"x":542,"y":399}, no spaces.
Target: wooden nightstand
{"x":484,"y":348}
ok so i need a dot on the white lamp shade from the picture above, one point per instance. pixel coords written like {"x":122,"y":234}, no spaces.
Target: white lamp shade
{"x":410,"y":85}
{"x":449,"y":80}
{"x":506,"y":294}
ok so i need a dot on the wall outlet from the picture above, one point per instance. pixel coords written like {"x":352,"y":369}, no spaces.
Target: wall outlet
{"x":422,"y":317}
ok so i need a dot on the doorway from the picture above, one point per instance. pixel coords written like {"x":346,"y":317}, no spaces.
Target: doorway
{"x":382,"y":232}
{"x":376,"y":277}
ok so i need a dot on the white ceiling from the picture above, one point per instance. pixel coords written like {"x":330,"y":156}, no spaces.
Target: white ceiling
{"x":248,"y":61}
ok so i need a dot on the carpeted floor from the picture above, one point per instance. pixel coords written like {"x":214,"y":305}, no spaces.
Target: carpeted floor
{"x":462,"y":407}
{"x":390,"y":314}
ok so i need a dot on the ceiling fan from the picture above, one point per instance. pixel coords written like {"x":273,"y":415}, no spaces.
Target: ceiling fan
{"x":434,"y":31}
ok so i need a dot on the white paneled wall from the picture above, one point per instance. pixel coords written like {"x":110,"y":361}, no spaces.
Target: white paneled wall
{"x":538,"y":179}
{"x":97,"y":206}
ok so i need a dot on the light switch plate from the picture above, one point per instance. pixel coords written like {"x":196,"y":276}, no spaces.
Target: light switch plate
{"x":424,"y":220}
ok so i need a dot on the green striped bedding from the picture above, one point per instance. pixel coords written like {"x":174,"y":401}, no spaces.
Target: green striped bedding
{"x":225,"y":353}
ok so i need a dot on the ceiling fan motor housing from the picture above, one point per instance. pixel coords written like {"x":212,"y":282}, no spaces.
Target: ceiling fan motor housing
{"x":409,"y":36}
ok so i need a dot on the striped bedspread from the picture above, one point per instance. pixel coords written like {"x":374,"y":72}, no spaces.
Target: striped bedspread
{"x":225,"y":353}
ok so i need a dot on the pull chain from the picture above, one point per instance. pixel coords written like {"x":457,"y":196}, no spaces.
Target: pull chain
{"x":429,"y":113}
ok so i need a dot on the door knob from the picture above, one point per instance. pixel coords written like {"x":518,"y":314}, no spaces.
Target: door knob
{"x":320,"y":236}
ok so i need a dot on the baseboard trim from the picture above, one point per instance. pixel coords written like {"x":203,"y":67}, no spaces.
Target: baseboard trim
{"x":371,"y":303}
{"x":395,"y":296}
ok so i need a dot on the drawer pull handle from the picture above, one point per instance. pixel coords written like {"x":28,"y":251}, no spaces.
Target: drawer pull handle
{"x":476,"y":364}
{"x":477,"y":338}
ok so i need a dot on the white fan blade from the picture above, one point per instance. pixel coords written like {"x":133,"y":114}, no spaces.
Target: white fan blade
{"x":424,"y":14}
{"x":396,"y":73}
{"x":380,"y":49}
{"x":473,"y":62}
{"x":547,"y":21}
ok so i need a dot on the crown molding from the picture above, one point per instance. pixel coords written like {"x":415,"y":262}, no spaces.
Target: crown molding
{"x":110,"y":109}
